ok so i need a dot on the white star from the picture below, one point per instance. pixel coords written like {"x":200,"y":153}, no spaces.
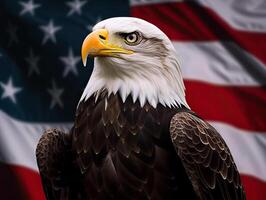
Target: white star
{"x":56,"y":95}
{"x":70,"y":62}
{"x":33,"y":60}
{"x":28,"y":7}
{"x":75,"y":6}
{"x":12,"y":31}
{"x":49,"y":32}
{"x":9,"y":90}
{"x":89,"y":27}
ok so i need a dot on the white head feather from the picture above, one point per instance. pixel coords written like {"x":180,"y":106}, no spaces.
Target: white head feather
{"x":151,"y":74}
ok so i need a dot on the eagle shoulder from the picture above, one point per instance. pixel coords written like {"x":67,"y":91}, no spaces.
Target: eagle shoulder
{"x":206,"y":158}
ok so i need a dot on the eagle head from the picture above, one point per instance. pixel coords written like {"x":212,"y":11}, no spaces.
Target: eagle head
{"x":133,"y":58}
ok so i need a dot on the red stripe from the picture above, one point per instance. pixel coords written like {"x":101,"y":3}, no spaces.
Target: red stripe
{"x":189,"y":21}
{"x":20,"y":183}
{"x":254,"y":188}
{"x":244,"y":107}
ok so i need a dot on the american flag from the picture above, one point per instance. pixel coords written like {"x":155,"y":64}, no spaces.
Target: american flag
{"x":221,"y":45}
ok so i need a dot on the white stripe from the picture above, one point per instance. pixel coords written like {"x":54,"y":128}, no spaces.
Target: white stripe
{"x":222,"y":63}
{"x":247,"y":15}
{"x":146,"y":2}
{"x":248,"y":149}
{"x":18,"y":140}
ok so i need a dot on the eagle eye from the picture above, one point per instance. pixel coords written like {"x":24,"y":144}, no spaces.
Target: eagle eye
{"x":133,"y":38}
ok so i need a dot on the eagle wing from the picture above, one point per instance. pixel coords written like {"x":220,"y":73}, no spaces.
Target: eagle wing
{"x":206,"y":158}
{"x":52,"y":155}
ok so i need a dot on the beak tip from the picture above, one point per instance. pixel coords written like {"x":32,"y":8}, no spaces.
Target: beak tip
{"x":84,"y":60}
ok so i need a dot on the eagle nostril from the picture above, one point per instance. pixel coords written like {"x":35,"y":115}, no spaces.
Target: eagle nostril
{"x":102,"y":37}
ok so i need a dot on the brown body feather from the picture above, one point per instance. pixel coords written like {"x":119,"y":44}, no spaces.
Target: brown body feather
{"x":119,"y":150}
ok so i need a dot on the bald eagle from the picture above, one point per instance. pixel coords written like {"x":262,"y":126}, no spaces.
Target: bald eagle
{"x":134,"y":135}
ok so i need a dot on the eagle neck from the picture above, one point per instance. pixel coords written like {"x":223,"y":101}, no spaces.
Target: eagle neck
{"x":152,"y":88}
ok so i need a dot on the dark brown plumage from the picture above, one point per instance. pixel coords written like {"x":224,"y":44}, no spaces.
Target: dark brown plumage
{"x":119,"y":150}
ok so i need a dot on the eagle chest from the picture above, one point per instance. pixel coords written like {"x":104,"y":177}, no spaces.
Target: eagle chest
{"x":124,"y":144}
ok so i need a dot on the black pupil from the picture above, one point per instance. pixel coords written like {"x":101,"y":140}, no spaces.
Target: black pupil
{"x":130,"y":37}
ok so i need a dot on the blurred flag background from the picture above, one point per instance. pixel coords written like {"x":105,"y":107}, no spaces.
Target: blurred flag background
{"x":221,"y":45}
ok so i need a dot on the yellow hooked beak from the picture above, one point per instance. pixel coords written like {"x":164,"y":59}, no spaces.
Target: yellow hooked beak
{"x":96,"y":44}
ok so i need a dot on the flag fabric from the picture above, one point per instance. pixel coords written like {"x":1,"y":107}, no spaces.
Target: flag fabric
{"x":221,"y":47}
